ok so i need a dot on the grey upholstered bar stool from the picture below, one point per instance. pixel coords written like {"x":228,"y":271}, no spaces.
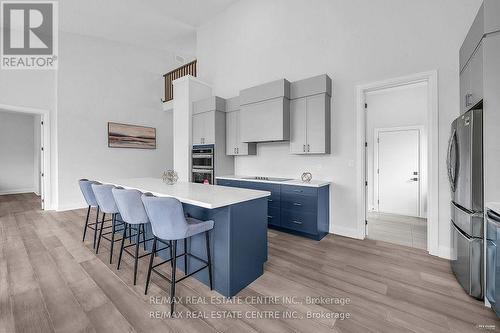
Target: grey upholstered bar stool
{"x":134,"y":216}
{"x":169,"y":223}
{"x":88,"y":194}
{"x":107,"y":205}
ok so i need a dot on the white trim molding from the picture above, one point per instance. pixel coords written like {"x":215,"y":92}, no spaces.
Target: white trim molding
{"x":431,"y":78}
{"x":49,"y":181}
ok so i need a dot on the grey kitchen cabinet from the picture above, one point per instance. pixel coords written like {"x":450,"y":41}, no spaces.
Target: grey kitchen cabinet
{"x":471,"y":80}
{"x":204,"y":128}
{"x":265,"y":112}
{"x":266,"y":121}
{"x":234,"y":145}
{"x":310,"y":116}
{"x":208,"y":118}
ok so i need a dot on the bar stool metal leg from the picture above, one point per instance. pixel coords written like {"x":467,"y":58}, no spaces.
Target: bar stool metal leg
{"x":100,"y":233}
{"x":172,"y":285}
{"x":113,"y":227}
{"x":143,"y":236}
{"x":136,"y":258}
{"x":123,"y":243}
{"x":151,"y":259}
{"x":86,"y":224}
{"x":209,"y":259}
{"x":185,"y":257}
{"x":96,"y":225}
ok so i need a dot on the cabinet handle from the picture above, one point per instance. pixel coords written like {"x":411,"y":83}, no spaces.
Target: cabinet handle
{"x":468,"y":98}
{"x":270,"y":200}
{"x":296,"y":222}
{"x":269,"y":217}
{"x":238,"y":151}
{"x":308,"y":148}
{"x":297,"y":204}
{"x":297,"y":191}
{"x":304,"y":148}
{"x":234,"y":150}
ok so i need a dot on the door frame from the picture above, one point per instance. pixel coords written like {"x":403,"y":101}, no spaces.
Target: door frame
{"x":45,"y":132}
{"x":432,"y":131}
{"x":376,"y":133}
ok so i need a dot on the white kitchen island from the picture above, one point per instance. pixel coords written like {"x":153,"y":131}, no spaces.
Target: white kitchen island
{"x":239,"y":237}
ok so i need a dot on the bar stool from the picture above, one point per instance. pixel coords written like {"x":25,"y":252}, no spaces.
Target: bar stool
{"x":134,"y":216}
{"x":169,"y":223}
{"x":107,"y":204}
{"x":88,"y":194}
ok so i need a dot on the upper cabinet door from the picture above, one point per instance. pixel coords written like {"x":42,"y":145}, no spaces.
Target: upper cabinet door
{"x":317,"y":125}
{"x":298,"y":121}
{"x":209,"y":127}
{"x":231,"y":132}
{"x":204,"y":128}
{"x":198,"y":129}
{"x":464,"y":88}
{"x":476,"y":76}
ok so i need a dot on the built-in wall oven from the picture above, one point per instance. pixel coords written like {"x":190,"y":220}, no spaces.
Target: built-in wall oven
{"x":203,"y":164}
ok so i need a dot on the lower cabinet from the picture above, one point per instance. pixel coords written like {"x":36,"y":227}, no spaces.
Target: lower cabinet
{"x":300,"y":210}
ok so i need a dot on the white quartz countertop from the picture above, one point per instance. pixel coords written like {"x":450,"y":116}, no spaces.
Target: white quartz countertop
{"x":206,"y":196}
{"x":295,"y":182}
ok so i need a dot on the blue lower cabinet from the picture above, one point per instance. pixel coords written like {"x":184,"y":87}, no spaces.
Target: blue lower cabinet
{"x":228,"y":182}
{"x":300,"y":210}
{"x":274,"y":216}
{"x":299,"y":221}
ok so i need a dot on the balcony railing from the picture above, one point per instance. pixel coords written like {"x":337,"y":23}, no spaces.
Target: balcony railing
{"x":187,"y":69}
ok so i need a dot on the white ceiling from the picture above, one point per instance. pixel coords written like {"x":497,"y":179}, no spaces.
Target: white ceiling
{"x":158,"y":24}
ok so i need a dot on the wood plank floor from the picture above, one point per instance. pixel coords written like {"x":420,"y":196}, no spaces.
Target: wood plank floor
{"x":50,"y":281}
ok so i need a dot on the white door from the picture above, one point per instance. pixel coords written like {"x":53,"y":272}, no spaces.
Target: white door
{"x":398,"y":171}
{"x":41,"y":177}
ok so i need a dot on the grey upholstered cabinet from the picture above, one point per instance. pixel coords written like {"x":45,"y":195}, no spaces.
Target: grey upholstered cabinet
{"x":234,"y":144}
{"x":265,"y":112}
{"x":310,"y":116}
{"x":208,"y":117}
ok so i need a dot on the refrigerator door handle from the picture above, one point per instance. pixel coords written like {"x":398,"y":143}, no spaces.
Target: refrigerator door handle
{"x":451,"y":168}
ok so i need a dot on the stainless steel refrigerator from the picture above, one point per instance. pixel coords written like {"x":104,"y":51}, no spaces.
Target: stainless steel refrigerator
{"x":465,"y":173}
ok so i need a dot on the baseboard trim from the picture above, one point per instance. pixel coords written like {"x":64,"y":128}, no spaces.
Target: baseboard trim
{"x":444,"y":252}
{"x":19,"y":191}
{"x":346,"y":232}
{"x":70,"y":207}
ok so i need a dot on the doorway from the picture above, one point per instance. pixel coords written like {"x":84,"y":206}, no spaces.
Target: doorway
{"x":396,"y":164}
{"x":22,"y":150}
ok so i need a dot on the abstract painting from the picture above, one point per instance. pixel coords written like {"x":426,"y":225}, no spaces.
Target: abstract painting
{"x":131,"y":136}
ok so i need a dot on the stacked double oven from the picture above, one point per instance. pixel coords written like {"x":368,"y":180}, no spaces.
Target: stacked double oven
{"x":203,"y":165}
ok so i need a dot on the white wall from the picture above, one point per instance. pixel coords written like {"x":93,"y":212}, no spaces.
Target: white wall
{"x":17,"y":153}
{"x":397,"y":107}
{"x":101,"y":81}
{"x":353,"y":41}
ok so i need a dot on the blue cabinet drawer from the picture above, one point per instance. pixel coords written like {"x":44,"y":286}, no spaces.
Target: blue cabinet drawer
{"x":273,"y":188}
{"x":302,"y":190}
{"x":298,"y":202}
{"x":299,"y":221}
{"x":228,"y":182}
{"x":274,"y":216}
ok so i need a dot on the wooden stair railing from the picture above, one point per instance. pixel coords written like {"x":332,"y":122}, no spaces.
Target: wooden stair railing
{"x":187,"y":69}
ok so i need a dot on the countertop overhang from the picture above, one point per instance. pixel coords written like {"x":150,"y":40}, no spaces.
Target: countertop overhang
{"x":206,"y":196}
